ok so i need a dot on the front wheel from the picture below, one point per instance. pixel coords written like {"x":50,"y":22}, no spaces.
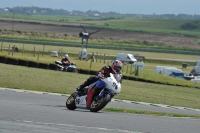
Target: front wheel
{"x":70,"y":103}
{"x":99,"y":104}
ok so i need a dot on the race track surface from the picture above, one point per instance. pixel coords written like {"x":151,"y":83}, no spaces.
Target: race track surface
{"x":29,"y":112}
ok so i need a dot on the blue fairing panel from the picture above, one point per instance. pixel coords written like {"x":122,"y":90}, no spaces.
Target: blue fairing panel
{"x":101,"y":84}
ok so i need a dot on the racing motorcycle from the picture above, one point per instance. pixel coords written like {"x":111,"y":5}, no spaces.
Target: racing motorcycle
{"x":109,"y":87}
{"x":68,"y":68}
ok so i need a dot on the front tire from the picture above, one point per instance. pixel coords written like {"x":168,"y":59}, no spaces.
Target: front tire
{"x":99,"y":104}
{"x":70,"y":103}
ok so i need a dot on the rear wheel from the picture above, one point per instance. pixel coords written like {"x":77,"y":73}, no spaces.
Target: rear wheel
{"x":70,"y":103}
{"x":98,"y":104}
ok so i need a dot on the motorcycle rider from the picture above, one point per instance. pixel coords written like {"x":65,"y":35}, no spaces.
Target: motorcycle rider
{"x":65,"y":60}
{"x":103,"y":72}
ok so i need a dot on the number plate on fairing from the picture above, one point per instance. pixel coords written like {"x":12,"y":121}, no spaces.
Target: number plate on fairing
{"x":80,"y":101}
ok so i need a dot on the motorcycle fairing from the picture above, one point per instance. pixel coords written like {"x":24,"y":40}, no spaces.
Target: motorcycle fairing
{"x":80,"y":101}
{"x":100,"y":84}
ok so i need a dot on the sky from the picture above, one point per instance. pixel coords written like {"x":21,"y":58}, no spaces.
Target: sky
{"x":120,"y":6}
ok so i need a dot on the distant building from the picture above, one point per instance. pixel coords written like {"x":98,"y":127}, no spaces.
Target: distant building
{"x":6,"y":10}
{"x":34,"y":11}
{"x":96,"y":14}
{"x":43,"y":11}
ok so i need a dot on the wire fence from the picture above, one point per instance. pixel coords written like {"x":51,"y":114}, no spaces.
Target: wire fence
{"x":38,"y":51}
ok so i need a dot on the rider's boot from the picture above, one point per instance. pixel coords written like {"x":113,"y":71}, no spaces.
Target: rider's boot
{"x":89,"y":81}
{"x":90,"y":95}
{"x":81,"y":87}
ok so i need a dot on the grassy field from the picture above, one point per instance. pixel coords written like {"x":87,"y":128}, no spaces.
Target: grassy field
{"x":148,"y":73}
{"x":28,"y":54}
{"x":167,"y":26}
{"x":161,"y":26}
{"x":20,"y":77}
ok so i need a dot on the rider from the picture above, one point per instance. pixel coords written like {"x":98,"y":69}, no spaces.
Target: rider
{"x":103,"y":72}
{"x":65,"y":60}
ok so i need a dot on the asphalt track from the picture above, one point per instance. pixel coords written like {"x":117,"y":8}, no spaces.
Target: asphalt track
{"x":24,"y":111}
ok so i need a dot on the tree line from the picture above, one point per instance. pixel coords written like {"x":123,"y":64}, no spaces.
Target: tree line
{"x":91,"y":13}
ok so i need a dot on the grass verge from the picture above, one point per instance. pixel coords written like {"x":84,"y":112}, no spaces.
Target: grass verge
{"x":122,"y":110}
{"x":19,"y":77}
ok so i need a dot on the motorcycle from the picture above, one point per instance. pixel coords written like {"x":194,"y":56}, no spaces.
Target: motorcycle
{"x":68,"y":68}
{"x":110,"y":86}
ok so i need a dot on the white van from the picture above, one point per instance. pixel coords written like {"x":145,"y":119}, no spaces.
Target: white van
{"x":126,"y":57}
{"x":159,"y":69}
{"x":168,"y":71}
{"x":83,"y":54}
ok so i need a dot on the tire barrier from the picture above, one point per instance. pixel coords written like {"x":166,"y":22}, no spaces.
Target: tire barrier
{"x":53,"y":66}
{"x":23,"y":62}
{"x":84,"y":71}
{"x":93,"y":72}
{"x":43,"y":66}
{"x":3,"y":59}
{"x":33,"y":64}
{"x":12,"y":61}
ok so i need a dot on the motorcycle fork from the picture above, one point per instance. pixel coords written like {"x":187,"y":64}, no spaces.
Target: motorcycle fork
{"x":100,"y":94}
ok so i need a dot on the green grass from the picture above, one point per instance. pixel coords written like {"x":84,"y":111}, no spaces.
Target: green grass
{"x":165,"y":26}
{"x":150,"y":113}
{"x":20,"y":77}
{"x":160,"y":26}
{"x":148,"y":73}
{"x":49,"y":48}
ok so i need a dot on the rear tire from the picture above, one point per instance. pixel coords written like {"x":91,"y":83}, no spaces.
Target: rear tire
{"x":100,"y":104}
{"x":70,"y":103}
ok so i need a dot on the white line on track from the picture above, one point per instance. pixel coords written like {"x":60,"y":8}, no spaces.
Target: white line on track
{"x":68,"y":125}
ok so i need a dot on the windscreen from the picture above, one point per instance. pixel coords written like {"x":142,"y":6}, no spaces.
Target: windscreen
{"x":118,"y":77}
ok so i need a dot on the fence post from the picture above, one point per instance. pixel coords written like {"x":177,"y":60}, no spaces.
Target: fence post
{"x":43,"y":50}
{"x":34,"y":51}
{"x":97,"y":57}
{"x":38,"y":55}
{"x":12,"y":50}
{"x":104,"y":58}
{"x":59,"y":53}
{"x":137,"y":71}
{"x":91,"y":60}
{"x":9,"y":50}
{"x":123,"y":67}
{"x":131,"y":69}
{"x":23,"y":49}
{"x":108,"y":59}
{"x":127,"y":69}
{"x":100,"y":57}
{"x":1,"y":46}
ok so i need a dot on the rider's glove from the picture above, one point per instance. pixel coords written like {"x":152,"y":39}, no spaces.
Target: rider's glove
{"x":100,"y":75}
